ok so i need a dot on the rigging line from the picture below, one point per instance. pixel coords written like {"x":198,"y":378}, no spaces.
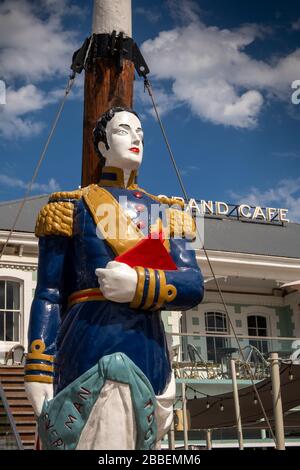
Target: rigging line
{"x":92,"y":38}
{"x":147,"y":86}
{"x":66,"y":93}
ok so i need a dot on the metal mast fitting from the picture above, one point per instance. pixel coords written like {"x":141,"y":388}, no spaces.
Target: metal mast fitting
{"x":113,"y":46}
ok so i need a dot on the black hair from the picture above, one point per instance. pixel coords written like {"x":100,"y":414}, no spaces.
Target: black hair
{"x":99,"y":132}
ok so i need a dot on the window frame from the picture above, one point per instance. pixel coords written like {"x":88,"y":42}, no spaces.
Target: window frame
{"x":224,"y":320}
{"x":20,"y":310}
{"x":212,"y":353}
{"x":257,"y":327}
{"x":260,"y":343}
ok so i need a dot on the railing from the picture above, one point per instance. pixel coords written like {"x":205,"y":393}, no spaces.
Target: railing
{"x":9,"y":436}
{"x":208,"y":356}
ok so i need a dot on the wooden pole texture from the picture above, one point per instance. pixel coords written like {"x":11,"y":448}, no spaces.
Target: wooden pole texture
{"x":103,"y":89}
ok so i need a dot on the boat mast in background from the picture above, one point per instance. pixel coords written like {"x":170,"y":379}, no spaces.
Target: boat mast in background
{"x":109,"y":80}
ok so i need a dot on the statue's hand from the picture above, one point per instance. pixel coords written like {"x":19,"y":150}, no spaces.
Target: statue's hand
{"x":36,"y":393}
{"x":117,"y":281}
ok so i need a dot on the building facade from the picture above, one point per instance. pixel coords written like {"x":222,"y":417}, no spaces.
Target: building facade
{"x":251,"y":262}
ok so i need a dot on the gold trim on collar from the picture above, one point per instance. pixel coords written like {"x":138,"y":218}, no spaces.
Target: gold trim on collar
{"x":115,"y":227}
{"x":119,"y":181}
{"x":170,"y":201}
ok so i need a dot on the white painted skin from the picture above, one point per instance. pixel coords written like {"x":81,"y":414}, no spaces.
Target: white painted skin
{"x":37,"y":393}
{"x":117,"y":281}
{"x":123,"y":132}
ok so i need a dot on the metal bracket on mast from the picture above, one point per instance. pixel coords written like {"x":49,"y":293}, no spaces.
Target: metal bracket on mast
{"x":112,"y":45}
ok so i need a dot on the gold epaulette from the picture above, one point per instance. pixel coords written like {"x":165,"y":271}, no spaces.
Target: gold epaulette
{"x":77,"y":194}
{"x":171,"y":201}
{"x":181,"y":224}
{"x":56,"y":218}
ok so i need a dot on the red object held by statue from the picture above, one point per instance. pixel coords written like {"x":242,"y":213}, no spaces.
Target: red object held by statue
{"x":149,"y":253}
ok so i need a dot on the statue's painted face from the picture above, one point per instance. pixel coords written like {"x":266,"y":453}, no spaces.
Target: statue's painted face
{"x":125,"y":141}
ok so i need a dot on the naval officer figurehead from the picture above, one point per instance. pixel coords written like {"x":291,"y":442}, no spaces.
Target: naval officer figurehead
{"x":118,"y":139}
{"x":96,"y":336}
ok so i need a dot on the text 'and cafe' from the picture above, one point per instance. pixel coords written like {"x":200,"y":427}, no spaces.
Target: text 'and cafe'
{"x":243,"y":211}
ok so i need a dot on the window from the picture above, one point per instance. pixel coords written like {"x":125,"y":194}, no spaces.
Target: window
{"x":257,"y":326}
{"x":215,"y":322}
{"x":9,"y":311}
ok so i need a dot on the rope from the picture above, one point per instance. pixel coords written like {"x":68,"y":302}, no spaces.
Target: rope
{"x":42,"y":156}
{"x":147,"y":86}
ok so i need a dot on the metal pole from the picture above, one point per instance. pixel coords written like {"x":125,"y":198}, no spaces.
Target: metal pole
{"x":171,"y":436}
{"x":208,"y":439}
{"x":236,"y":405}
{"x":10,"y":417}
{"x":184,"y":415}
{"x":277,"y":403}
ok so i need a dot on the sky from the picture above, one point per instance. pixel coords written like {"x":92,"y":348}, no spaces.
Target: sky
{"x":222,"y":75}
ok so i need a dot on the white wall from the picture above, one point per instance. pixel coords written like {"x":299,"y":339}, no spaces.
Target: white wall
{"x":27,"y":286}
{"x":22,"y":269}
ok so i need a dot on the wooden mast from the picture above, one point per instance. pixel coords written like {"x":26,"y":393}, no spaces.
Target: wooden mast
{"x":105,"y":86}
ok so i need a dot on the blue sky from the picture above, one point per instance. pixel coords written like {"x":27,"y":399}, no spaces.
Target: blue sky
{"x":221,"y":72}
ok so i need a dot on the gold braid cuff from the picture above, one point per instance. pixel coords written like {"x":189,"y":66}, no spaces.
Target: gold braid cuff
{"x":44,"y":368}
{"x":39,"y":378}
{"x":167,"y":292}
{"x":138,"y":296}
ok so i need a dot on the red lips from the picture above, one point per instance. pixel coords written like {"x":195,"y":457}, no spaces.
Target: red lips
{"x":135,"y":150}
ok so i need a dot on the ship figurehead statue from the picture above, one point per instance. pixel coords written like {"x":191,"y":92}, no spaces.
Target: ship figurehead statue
{"x":111,"y":258}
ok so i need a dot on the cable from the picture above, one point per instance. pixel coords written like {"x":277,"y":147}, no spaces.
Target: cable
{"x":147,"y":86}
{"x":200,"y":393}
{"x":67,"y":91}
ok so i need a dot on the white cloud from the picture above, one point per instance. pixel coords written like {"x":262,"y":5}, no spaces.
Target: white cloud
{"x":34,"y":46}
{"x":189,"y":169}
{"x":286,"y":195}
{"x":14,"y":120}
{"x":17,"y":183}
{"x":151,"y":15}
{"x":166,"y":101}
{"x":296,"y":25}
{"x":62,"y":8}
{"x":286,"y":154}
{"x":184,"y":12}
{"x":210,"y":70}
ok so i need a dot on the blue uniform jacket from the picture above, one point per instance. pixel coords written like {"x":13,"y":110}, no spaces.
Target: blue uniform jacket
{"x":67,"y":340}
